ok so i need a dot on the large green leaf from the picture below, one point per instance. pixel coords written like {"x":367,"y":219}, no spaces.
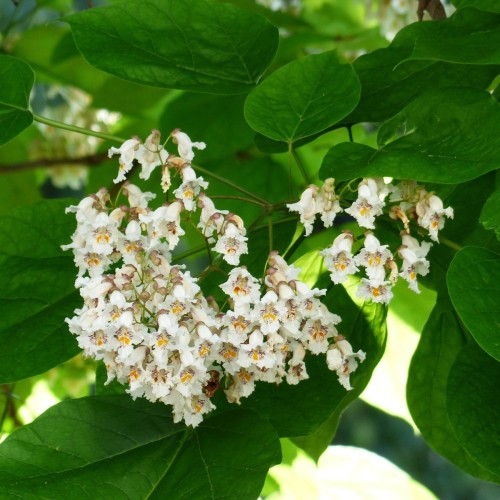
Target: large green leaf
{"x":490,"y":216}
{"x":37,"y":290}
{"x":441,"y":341}
{"x":185,"y":44}
{"x":17,"y":79}
{"x":474,"y":287}
{"x":473,"y":405}
{"x":113,"y":447}
{"x":446,"y":135}
{"x":303,"y":98}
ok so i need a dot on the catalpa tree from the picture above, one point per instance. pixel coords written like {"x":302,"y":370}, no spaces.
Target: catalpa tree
{"x":249,"y":195}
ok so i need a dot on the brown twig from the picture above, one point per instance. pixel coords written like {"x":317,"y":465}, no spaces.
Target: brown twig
{"x":89,"y":160}
{"x":433,"y":7}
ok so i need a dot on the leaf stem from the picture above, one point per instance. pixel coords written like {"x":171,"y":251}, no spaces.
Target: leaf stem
{"x":79,"y":130}
{"x":240,"y":198}
{"x":299,"y":163}
{"x":231,"y":184}
{"x":349,"y":132}
{"x":450,"y":244}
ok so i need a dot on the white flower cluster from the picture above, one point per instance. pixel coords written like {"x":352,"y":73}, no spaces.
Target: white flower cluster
{"x":150,"y":322}
{"x":415,"y":203}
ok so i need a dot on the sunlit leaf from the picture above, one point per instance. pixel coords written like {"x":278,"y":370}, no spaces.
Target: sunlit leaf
{"x":185,"y":44}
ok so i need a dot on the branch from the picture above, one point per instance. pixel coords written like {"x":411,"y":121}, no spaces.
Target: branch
{"x":89,"y":160}
{"x":433,"y":7}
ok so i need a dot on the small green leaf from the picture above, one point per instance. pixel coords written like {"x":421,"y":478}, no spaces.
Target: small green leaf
{"x":490,"y":216}
{"x":303,"y":98}
{"x":37,"y":290}
{"x":114,"y":447}
{"x":474,"y":287}
{"x":473,"y":405}
{"x":17,"y":80}
{"x":193,"y":45}
{"x":441,"y":341}
{"x":446,"y":136}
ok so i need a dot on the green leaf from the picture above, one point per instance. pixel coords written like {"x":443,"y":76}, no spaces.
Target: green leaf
{"x":473,"y":406}
{"x":474,"y":287}
{"x":390,"y":79}
{"x":469,"y":36}
{"x":37,"y":290}
{"x":17,"y":79}
{"x":487,"y":5}
{"x":113,"y":447}
{"x":490,"y":216}
{"x":441,"y":341}
{"x":184,"y":44}
{"x":446,"y":136}
{"x":217,"y":120}
{"x":303,"y":98}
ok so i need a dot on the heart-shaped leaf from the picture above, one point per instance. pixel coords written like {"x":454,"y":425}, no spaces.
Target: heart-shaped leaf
{"x":194,"y":45}
{"x":17,"y":80}
{"x":303,"y":98}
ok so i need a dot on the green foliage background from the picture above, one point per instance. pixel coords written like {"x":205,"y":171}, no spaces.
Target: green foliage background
{"x":282,"y":98}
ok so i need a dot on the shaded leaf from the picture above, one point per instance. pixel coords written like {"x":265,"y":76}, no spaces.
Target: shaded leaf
{"x":185,"y":44}
{"x":37,"y":290}
{"x":440,"y":343}
{"x":474,"y":286}
{"x":473,"y":406}
{"x":113,"y":447}
{"x":17,"y":79}
{"x":303,"y":98}
{"x":446,"y":136}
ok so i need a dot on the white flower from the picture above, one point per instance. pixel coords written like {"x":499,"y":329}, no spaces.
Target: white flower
{"x":327,"y":204}
{"x":371,"y":193}
{"x":306,"y":207}
{"x":151,"y":154}
{"x":373,"y":255}
{"x":185,"y":145}
{"x":414,"y":262}
{"x":341,"y":359}
{"x":241,"y":286}
{"x":339,"y":259}
{"x":231,"y":245}
{"x":376,"y":289}
{"x":127,"y":152}
{"x":431,"y":214}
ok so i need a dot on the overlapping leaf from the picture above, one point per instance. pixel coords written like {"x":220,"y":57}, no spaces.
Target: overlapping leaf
{"x":490,"y":216}
{"x":447,"y":135}
{"x":441,"y":341}
{"x":17,"y":79}
{"x":185,"y":44}
{"x":303,"y":98}
{"x":473,"y":406}
{"x":474,"y":287}
{"x":37,"y":290}
{"x":113,"y":447}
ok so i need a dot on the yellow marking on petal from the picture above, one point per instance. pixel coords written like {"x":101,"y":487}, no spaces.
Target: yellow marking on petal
{"x":413,"y":275}
{"x":186,"y":376}
{"x":376,"y":292}
{"x":364,"y":211}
